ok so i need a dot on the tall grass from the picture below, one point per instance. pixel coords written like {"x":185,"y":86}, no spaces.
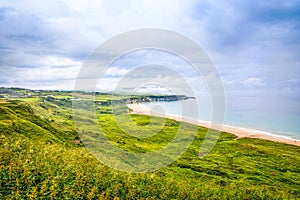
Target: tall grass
{"x":40,"y":162}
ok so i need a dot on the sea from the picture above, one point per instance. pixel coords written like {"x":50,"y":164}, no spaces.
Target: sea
{"x":278,"y":116}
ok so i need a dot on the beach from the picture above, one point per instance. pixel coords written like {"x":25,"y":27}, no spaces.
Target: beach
{"x":238,"y":131}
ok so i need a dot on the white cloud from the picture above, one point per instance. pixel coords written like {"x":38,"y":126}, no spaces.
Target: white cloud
{"x":239,"y":36}
{"x":115,"y":71}
{"x":293,"y":80}
{"x":253,"y":82}
{"x":50,"y":69}
{"x":40,"y":74}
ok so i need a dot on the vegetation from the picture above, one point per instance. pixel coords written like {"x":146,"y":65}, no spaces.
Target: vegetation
{"x":41,"y":156}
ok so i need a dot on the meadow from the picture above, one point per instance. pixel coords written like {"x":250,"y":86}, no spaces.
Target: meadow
{"x":42,"y":157}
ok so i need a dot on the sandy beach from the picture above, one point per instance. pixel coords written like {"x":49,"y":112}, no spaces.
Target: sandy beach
{"x":238,"y":131}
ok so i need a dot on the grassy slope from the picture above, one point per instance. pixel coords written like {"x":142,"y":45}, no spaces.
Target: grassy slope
{"x":38,"y":160}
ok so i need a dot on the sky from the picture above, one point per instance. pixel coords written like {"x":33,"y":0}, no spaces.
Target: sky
{"x":255,"y":45}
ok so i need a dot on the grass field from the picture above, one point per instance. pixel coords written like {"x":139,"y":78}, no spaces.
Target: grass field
{"x":41,"y":157}
{"x":26,"y":99}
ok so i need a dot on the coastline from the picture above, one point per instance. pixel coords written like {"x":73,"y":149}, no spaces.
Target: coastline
{"x":238,"y":131}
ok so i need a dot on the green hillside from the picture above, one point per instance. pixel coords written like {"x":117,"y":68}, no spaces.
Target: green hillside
{"x":41,"y":157}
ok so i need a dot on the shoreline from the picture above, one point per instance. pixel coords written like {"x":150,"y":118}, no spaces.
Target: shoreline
{"x":238,"y":131}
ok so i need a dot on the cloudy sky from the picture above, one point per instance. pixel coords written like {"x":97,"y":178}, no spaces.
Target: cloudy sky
{"x":255,"y":45}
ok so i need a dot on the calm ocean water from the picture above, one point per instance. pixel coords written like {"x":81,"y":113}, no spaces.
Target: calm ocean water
{"x":277,"y":116}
